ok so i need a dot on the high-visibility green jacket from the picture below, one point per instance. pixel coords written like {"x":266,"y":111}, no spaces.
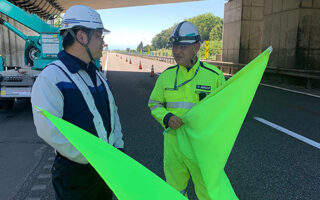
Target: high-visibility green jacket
{"x":174,"y":95}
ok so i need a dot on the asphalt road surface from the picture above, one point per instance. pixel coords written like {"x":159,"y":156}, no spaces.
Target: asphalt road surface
{"x":267,"y":161}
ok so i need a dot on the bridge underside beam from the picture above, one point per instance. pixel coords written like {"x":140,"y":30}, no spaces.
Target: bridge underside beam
{"x":48,"y":9}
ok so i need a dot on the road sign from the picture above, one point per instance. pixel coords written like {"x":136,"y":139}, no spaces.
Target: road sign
{"x":206,"y":49}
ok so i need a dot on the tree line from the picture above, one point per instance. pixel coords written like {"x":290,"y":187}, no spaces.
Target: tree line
{"x":209,"y":26}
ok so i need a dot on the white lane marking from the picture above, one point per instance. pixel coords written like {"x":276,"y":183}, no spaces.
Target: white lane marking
{"x":106,"y":64}
{"x":47,"y":166}
{"x":304,"y":93}
{"x":105,"y":69}
{"x":44,"y":176}
{"x":288,"y":132}
{"x":51,"y":158}
{"x":38,"y":187}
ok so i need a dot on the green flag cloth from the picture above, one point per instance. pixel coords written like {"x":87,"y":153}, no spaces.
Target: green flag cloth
{"x":127,"y":178}
{"x":211,"y":127}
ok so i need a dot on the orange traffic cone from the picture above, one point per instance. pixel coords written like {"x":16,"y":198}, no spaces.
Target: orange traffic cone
{"x":152,"y":71}
{"x":126,"y":59}
{"x":130,"y":61}
{"x":140,"y":66}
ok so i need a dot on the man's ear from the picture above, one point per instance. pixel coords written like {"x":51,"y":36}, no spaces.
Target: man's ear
{"x":82,"y":37}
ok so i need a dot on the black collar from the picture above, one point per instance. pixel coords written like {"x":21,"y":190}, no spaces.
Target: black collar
{"x":73,"y":63}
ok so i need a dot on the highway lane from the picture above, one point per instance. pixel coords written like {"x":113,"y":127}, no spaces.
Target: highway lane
{"x":268,"y":164}
{"x":298,"y":112}
{"x":264,"y":164}
{"x":20,"y":149}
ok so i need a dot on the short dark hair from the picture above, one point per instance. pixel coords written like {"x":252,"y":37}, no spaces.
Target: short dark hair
{"x":68,"y":40}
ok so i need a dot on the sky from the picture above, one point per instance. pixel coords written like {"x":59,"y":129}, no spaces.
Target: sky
{"x":131,"y":25}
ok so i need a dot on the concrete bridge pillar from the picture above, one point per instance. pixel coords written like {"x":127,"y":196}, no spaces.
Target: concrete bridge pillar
{"x":291,"y":26}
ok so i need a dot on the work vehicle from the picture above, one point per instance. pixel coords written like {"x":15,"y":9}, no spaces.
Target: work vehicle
{"x":16,"y":81}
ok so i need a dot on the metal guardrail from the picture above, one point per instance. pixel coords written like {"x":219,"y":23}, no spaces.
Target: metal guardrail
{"x":159,"y":58}
{"x":232,"y":68}
{"x":312,"y":74}
{"x":225,"y":67}
{"x":309,"y":75}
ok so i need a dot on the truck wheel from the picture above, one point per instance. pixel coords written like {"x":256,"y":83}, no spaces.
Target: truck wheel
{"x":30,"y":54}
{"x":7,"y":104}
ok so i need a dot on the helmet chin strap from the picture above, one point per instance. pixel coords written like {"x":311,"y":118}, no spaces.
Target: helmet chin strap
{"x":84,"y":45}
{"x":88,"y":51}
{"x":194,"y":58}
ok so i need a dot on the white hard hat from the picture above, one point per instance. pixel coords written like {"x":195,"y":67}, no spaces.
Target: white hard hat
{"x":185,"y":33}
{"x":82,"y":16}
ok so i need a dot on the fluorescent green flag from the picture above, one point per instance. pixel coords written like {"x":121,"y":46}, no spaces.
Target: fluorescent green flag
{"x":128,"y":179}
{"x":211,"y":127}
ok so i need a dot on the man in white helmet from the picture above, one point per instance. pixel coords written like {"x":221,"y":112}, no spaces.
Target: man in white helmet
{"x":177,"y":90}
{"x":73,"y":89}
